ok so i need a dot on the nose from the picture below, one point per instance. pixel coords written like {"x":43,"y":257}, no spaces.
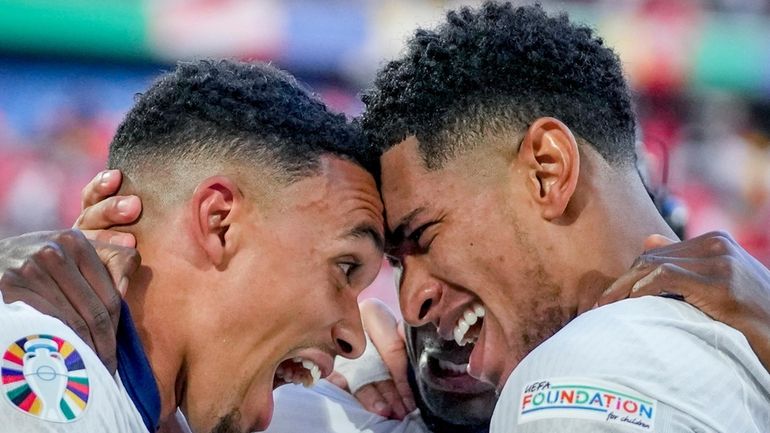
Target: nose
{"x":419,"y":294}
{"x":348,"y":334}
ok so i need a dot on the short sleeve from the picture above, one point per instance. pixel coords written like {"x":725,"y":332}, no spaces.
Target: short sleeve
{"x":51,"y":381}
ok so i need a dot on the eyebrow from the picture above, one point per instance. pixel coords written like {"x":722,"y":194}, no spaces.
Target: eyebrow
{"x":370,"y":232}
{"x":397,"y":235}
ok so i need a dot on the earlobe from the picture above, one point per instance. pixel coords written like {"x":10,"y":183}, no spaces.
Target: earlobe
{"x":215,"y":202}
{"x":550,"y":154}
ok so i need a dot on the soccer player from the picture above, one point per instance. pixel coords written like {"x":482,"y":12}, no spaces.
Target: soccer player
{"x":440,"y":268}
{"x":513,"y":202}
{"x":449,"y":400}
{"x":259,"y":227}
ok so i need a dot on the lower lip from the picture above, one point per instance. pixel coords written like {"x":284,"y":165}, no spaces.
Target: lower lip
{"x":263,"y":421}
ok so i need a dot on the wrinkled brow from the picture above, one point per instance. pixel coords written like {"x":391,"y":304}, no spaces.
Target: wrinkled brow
{"x":368,"y":231}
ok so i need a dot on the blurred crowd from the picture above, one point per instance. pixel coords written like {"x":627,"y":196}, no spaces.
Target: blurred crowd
{"x":704,"y":113}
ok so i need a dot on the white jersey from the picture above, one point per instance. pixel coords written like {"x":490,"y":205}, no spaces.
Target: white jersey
{"x":53,"y":382}
{"x":641,"y":365}
{"x":325,"y":408}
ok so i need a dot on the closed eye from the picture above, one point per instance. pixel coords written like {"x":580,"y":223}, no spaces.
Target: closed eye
{"x":409,"y":245}
{"x":415,"y":237}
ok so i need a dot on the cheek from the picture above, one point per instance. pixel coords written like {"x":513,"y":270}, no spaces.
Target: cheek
{"x":472,"y":256}
{"x":295,"y":273}
{"x":481,"y":240}
{"x":317,"y":306}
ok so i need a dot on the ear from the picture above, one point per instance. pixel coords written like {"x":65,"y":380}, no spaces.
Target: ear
{"x":215,"y":204}
{"x":550,"y":155}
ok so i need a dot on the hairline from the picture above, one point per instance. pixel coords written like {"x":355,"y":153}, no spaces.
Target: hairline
{"x":465,"y":133}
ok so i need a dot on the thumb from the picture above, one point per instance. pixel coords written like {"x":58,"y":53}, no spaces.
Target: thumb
{"x":387,"y":335}
{"x":657,"y":241}
{"x":121,"y":263}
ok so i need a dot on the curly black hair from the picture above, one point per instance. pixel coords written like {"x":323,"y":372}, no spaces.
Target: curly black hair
{"x":496,"y":67}
{"x":234,"y":111}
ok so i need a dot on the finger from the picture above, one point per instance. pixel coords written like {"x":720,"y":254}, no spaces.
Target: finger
{"x":338,"y":380}
{"x":111,"y":237}
{"x":388,"y":391}
{"x":371,"y":399}
{"x":86,"y":298}
{"x":715,"y":243}
{"x":627,"y":283}
{"x":121,"y":264}
{"x":657,"y":241}
{"x":13,"y":293}
{"x":112,"y":211}
{"x":103,"y":185}
{"x":92,"y":267}
{"x":32,"y":276}
{"x":621,"y":288}
{"x":383,"y":329}
{"x":693,"y":288}
{"x":666,"y":279}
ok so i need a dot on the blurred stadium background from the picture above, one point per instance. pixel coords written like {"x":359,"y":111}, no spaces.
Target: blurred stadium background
{"x":69,"y":70}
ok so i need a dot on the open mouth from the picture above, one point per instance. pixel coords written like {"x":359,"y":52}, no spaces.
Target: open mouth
{"x":466,"y":325}
{"x":448,"y":371}
{"x":447,"y":367}
{"x":298,"y":371}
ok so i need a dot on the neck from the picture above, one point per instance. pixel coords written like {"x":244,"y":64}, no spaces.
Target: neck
{"x":621,"y":207}
{"x":156,"y":310}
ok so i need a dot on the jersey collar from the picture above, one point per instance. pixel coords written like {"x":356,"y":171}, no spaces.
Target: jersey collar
{"x":135,"y":371}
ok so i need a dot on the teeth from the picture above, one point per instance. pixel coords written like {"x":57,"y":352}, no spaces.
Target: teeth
{"x":315,"y":372}
{"x":468,"y":319}
{"x":471,"y":317}
{"x":463,"y":325}
{"x":458,"y":336}
{"x":479,"y":310}
{"x":307,"y":380}
{"x":451,"y":366}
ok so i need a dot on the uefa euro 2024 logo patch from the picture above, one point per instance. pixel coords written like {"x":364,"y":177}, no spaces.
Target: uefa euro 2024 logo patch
{"x":45,"y":376}
{"x":581,"y":398}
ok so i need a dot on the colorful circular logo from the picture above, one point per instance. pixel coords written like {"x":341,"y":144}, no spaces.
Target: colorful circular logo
{"x":45,"y":376}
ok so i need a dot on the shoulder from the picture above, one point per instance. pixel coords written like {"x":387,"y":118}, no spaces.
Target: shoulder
{"x":648,"y":360}
{"x":629,"y":337}
{"x":51,"y":379}
{"x":648,"y":338}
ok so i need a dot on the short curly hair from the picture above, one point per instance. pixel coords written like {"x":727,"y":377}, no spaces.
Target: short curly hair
{"x":234,"y":111}
{"x":497,"y":67}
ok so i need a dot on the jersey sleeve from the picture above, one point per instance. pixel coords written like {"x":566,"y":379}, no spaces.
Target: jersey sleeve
{"x":51,"y":381}
{"x":583,"y":405}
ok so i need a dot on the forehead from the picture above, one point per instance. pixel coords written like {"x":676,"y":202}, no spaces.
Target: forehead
{"x":342,"y":193}
{"x":407,"y":185}
{"x":403,"y":179}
